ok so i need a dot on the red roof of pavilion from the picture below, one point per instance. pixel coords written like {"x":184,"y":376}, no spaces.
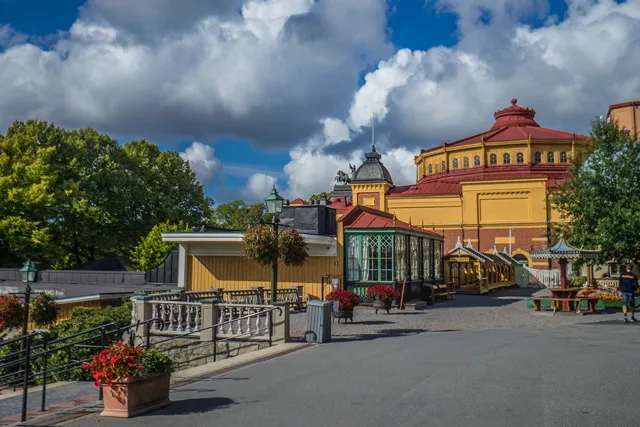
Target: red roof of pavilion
{"x":365,"y":217}
{"x":340,"y":204}
{"x":515,"y":123}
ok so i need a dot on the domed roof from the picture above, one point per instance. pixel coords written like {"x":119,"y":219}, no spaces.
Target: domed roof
{"x":514,"y":116}
{"x":372,"y":169}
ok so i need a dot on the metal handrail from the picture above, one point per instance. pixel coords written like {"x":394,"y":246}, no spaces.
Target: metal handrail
{"x":118,"y":330}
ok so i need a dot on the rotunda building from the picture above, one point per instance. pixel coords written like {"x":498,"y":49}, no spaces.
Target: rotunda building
{"x":489,"y":189}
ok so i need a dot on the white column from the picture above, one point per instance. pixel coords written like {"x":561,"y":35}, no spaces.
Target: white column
{"x":183,"y":252}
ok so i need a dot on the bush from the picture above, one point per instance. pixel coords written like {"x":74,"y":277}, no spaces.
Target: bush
{"x":347,"y":299}
{"x":11,"y":312}
{"x":43,"y":310}
{"x":382,"y":293}
{"x":122,"y":362}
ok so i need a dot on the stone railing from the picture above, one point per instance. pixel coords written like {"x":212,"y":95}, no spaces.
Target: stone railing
{"x":198,"y":320}
{"x":177,"y":316}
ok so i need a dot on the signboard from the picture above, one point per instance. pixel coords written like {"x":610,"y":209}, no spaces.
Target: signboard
{"x":7,"y":290}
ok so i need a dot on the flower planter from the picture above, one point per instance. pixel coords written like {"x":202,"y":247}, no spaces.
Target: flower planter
{"x":343,"y":314}
{"x":138,"y":396}
{"x":382,"y":305}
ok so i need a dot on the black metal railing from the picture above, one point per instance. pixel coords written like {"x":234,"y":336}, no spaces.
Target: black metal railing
{"x":16,"y":366}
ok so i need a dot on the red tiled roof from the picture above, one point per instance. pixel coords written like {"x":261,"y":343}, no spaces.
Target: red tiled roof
{"x":339,"y":205}
{"x":448,"y":183}
{"x":365,"y":217}
{"x":299,"y":201}
{"x":515,"y":123}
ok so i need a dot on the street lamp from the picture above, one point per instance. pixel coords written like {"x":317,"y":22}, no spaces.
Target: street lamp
{"x":274,"y":203}
{"x":28,"y":272}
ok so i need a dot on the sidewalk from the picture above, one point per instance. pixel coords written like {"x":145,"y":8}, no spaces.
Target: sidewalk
{"x":69,"y":401}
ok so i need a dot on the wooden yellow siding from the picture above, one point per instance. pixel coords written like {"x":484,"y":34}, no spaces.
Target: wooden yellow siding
{"x":236,"y":273}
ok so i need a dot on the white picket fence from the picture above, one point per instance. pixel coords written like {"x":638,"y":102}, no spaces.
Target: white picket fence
{"x":527,"y":277}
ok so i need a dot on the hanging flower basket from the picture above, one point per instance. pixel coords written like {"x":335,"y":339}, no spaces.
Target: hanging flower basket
{"x":260,"y":246}
{"x":293,"y":248}
{"x":11,"y":312}
{"x":44,"y":310}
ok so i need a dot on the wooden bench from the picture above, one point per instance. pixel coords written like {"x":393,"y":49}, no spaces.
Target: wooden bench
{"x":591,"y":303}
{"x":537,"y":302}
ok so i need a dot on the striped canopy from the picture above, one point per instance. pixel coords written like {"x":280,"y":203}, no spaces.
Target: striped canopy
{"x":564,"y":250}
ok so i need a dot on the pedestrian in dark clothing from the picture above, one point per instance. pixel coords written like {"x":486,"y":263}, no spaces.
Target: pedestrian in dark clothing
{"x":628,"y":287}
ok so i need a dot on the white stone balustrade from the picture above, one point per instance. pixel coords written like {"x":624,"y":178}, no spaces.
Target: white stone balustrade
{"x":177,"y":316}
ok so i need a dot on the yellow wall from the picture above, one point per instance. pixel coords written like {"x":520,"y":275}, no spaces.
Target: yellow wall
{"x":443,"y":210}
{"x":237,"y":273}
{"x":627,"y":117}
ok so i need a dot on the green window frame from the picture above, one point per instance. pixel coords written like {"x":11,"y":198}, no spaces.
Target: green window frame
{"x":370,"y":257}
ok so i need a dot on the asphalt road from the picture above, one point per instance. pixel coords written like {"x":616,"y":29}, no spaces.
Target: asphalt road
{"x":572,"y":375}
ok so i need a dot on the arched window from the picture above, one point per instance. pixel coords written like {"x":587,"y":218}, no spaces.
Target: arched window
{"x":519,"y":158}
{"x":476,"y":161}
{"x":493,"y":159}
{"x":465,"y":162}
{"x":443,"y":166}
{"x":430,"y":168}
{"x":563,"y":157}
{"x":455,"y":163}
{"x":550,"y":157}
{"x":537,"y":158}
{"x":506,"y":158}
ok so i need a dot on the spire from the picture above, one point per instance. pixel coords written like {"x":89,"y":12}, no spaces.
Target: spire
{"x":495,"y":250}
{"x":373,"y":132}
{"x":458,"y":243}
{"x":394,"y":220}
{"x":409,"y":220}
{"x":504,"y":251}
{"x":469,"y":245}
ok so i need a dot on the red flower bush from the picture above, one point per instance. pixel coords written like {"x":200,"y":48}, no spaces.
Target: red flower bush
{"x":121,"y":362}
{"x":44,"y":310}
{"x":11,"y":312}
{"x":383,"y":293}
{"x":347,"y":299}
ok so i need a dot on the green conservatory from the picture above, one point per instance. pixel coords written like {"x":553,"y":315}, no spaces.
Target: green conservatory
{"x":379,"y":249}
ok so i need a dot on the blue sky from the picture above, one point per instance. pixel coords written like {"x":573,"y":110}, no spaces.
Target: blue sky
{"x":430,"y":72}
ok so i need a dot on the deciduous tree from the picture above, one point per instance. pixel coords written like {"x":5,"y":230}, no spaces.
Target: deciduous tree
{"x":600,"y":200}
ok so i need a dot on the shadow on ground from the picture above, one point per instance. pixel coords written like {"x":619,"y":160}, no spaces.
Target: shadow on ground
{"x":383,"y":333}
{"x":196,"y":406}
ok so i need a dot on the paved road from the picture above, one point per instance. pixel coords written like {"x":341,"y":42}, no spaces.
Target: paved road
{"x":572,"y":375}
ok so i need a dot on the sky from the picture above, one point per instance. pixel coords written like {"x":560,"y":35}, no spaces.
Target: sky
{"x":260,"y":92}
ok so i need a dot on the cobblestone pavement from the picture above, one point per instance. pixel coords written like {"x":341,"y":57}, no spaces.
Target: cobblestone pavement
{"x":505,"y":309}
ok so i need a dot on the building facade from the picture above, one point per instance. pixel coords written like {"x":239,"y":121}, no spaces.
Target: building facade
{"x":627,"y":114}
{"x":489,"y":188}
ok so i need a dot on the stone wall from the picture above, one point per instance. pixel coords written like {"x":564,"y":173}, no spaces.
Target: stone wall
{"x":188,"y":353}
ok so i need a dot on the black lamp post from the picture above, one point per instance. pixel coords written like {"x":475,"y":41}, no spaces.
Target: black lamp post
{"x":274,"y":203}
{"x":28,"y":272}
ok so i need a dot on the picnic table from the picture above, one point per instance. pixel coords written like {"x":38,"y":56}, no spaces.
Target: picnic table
{"x":567,"y":300}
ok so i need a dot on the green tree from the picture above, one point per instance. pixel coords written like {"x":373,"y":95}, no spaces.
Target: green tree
{"x":72,"y":196}
{"x":237,"y":215}
{"x":151,"y":250}
{"x":318,"y":196}
{"x":600,"y":199}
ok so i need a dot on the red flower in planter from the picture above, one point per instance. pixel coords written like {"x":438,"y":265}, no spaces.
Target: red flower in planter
{"x":347,"y":299}
{"x":121,"y":362}
{"x":11,"y":312}
{"x":382,"y":293}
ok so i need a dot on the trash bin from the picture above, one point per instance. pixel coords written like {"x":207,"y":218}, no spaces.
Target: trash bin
{"x":318,"y":321}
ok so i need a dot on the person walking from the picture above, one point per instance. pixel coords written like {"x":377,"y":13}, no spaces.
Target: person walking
{"x":628,"y":287}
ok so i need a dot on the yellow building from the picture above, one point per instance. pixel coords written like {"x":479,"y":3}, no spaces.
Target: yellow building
{"x":489,"y":188}
{"x":627,"y":114}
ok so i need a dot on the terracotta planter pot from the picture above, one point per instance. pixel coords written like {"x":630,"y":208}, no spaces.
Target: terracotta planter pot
{"x":132,"y":398}
{"x":382,"y":305}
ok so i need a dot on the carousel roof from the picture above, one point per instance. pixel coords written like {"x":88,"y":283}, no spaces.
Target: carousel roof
{"x":563,"y":250}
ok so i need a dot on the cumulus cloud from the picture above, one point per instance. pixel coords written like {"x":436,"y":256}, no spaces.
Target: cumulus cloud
{"x":258,"y":187}
{"x":202,"y":161}
{"x":201,"y":70}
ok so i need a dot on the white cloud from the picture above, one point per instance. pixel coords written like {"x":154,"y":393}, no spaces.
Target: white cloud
{"x":204,"y":69}
{"x":258,"y":187}
{"x":202,"y":161}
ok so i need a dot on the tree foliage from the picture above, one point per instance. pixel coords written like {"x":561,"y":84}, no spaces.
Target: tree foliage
{"x":238,"y":215}
{"x":326,"y":194}
{"x":600,"y":199}
{"x":151,"y":250}
{"x":72,"y":196}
